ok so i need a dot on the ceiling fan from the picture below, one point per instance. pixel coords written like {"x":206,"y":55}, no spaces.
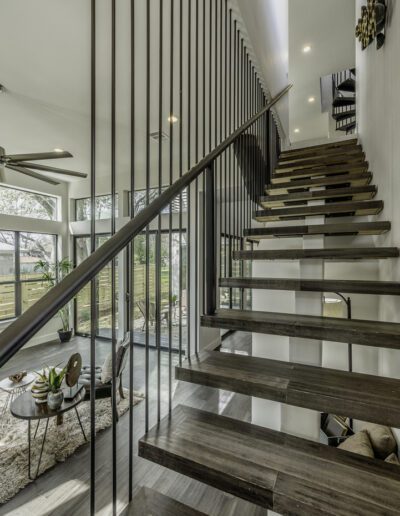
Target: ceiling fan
{"x":22,"y":163}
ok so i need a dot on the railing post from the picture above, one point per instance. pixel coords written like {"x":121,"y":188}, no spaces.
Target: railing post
{"x":210,"y":244}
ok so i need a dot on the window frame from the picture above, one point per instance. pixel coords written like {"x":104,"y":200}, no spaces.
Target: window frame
{"x":18,"y":282}
{"x":76,"y":200}
{"x":57,"y":208}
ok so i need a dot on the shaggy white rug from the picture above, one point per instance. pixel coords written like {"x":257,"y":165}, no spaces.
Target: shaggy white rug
{"x":61,"y":441}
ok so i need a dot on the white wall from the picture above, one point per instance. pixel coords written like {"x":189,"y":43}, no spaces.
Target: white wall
{"x":378,"y":81}
{"x":267,"y":25}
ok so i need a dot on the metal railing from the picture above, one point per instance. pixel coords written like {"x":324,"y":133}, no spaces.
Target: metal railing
{"x":213,"y":82}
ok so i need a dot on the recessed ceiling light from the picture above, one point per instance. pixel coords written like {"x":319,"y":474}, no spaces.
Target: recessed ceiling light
{"x":297,"y":130}
{"x":306,"y":49}
{"x":58,"y":150}
{"x":311,"y":99}
{"x":172,"y":119}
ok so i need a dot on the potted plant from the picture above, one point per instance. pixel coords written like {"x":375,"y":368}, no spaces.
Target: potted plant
{"x":55,"y":378}
{"x":51,"y":273}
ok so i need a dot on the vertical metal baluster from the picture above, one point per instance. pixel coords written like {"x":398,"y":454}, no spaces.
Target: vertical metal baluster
{"x":218,"y":139}
{"x":243,"y":152}
{"x":227,"y":152}
{"x":180,"y":170}
{"x":196,"y":205}
{"x":130,"y":261}
{"x":210,"y":124}
{"x":171,"y":173}
{"x":113,"y":263}
{"x":158,"y":239}
{"x":147,"y":290}
{"x":204,"y":147}
{"x":93,"y":311}
{"x":189,"y":188}
{"x":231,"y":158}
{"x":235,"y":104}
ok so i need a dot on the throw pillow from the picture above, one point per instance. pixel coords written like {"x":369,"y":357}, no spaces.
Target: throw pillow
{"x":382,"y":440}
{"x":393,"y":459}
{"x":106,"y":370}
{"x":358,"y":443}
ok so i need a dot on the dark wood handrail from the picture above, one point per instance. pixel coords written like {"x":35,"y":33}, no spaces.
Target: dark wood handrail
{"x":15,"y":336}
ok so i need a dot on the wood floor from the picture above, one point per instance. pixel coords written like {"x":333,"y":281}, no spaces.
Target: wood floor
{"x":64,"y":490}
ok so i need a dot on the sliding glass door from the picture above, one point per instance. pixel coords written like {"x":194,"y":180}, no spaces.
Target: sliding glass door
{"x":103,"y":290}
{"x":173,"y":309}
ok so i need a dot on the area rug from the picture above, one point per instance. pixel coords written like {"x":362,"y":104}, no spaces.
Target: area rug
{"x":61,"y":441}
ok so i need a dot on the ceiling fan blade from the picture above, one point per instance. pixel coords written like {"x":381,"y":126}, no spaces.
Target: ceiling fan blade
{"x":37,"y":156}
{"x":31,"y":173}
{"x":50,"y":169}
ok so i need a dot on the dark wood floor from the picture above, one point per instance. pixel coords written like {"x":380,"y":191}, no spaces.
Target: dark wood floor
{"x":64,"y":490}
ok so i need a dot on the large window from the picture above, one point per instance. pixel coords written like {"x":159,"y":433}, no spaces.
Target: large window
{"x":20,"y":285}
{"x":140,"y":201}
{"x":103,"y":207}
{"x":24,"y":203}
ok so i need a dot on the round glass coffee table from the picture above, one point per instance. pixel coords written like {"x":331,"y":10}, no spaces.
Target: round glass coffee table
{"x":24,"y":407}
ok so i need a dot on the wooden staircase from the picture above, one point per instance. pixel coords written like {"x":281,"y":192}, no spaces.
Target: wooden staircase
{"x":277,"y":471}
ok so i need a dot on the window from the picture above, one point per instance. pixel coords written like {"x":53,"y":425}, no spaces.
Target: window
{"x":103,"y":289}
{"x":23,"y":203}
{"x":103,"y":207}
{"x":20,"y":285}
{"x":140,"y":199}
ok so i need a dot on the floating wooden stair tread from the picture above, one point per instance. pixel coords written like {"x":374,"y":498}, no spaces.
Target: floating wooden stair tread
{"x":148,"y":502}
{"x":345,"y":228}
{"x":319,"y":162}
{"x":362,"y":396}
{"x":364,"y":332}
{"x":344,"y":101}
{"x":390,"y":288}
{"x":351,"y":168}
{"x":332,"y":254}
{"x":345,"y":152}
{"x":357,"y":193}
{"x":353,"y":179}
{"x":277,"y":471}
{"x":357,"y":208}
{"x":319,"y":148}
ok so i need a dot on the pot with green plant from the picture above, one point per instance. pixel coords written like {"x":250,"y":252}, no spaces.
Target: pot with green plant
{"x":55,"y":378}
{"x":51,"y":274}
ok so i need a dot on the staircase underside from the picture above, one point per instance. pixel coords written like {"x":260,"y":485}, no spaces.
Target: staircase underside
{"x":347,"y":180}
{"x":332,"y":254}
{"x":356,"y":331}
{"x":350,"y":208}
{"x":310,"y":285}
{"x":340,"y":229}
{"x":365,"y":397}
{"x":274,"y":470}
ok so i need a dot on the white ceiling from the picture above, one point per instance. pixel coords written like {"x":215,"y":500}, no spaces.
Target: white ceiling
{"x":45,"y":68}
{"x":44,"y":56}
{"x":328,"y":27}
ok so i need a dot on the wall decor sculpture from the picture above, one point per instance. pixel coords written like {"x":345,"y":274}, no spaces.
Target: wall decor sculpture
{"x":372,"y":23}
